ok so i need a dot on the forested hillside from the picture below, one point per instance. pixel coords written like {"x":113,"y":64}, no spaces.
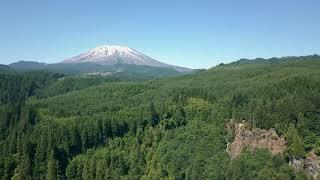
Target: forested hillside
{"x":56,"y":127}
{"x":81,"y":68}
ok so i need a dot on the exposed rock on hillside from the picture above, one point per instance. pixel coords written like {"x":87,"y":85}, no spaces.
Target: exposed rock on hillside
{"x":253,"y":139}
{"x":311,"y":164}
{"x":250,"y":138}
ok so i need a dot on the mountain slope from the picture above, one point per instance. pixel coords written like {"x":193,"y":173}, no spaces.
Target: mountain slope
{"x":112,"y":54}
{"x":109,"y":59}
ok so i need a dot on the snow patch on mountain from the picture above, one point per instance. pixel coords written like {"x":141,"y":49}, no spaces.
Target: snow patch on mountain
{"x":113,"y":54}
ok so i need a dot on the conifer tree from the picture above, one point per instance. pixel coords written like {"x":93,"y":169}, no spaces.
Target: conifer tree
{"x":295,"y":147}
{"x":154,"y":117}
{"x":52,"y":167}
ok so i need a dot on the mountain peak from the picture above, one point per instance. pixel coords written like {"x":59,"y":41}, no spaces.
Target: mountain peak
{"x":114,"y":54}
{"x":111,"y":49}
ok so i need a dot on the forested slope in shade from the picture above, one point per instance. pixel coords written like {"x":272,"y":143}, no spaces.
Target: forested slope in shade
{"x":82,"y":68}
{"x":167,"y":128}
{"x":5,"y":68}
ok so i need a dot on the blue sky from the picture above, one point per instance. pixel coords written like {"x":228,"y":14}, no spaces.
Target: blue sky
{"x":195,"y":34}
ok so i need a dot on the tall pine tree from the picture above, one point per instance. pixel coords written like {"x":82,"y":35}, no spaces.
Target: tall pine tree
{"x":52,"y":167}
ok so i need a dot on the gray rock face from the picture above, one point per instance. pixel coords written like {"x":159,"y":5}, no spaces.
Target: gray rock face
{"x":311,"y":164}
{"x":297,"y":164}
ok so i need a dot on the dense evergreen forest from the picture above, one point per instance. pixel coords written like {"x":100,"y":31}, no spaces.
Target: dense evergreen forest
{"x":54,"y":126}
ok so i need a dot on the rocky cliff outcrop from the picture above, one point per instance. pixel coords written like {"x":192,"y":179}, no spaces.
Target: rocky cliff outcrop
{"x":311,"y":164}
{"x":250,"y":138}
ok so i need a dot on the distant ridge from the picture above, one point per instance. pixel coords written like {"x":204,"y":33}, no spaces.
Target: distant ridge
{"x":87,"y":67}
{"x":5,"y":68}
{"x":276,"y":60}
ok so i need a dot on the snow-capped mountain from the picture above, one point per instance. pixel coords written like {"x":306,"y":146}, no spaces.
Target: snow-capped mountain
{"x":112,"y":54}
